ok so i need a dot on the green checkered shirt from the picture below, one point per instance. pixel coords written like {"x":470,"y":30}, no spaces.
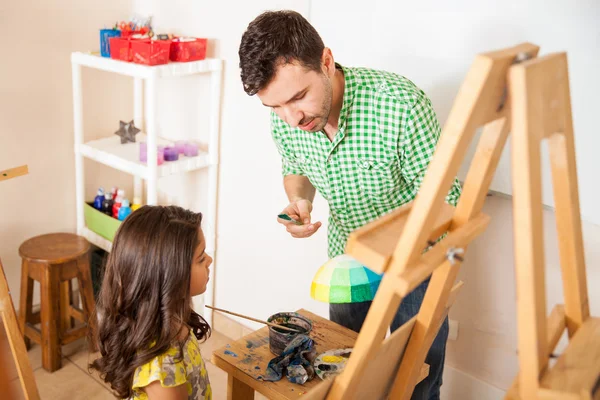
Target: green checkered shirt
{"x":387,"y":134}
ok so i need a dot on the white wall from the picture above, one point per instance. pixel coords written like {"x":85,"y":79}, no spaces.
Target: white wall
{"x":433,"y":43}
{"x":36,"y":123}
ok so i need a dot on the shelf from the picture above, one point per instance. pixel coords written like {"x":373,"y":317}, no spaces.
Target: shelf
{"x":125,"y":157}
{"x":96,"y":239}
{"x":172,"y":69}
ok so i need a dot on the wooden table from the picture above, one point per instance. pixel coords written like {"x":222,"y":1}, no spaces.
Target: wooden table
{"x":246,"y":359}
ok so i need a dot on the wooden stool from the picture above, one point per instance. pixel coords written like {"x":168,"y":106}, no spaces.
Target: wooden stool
{"x":54,"y":260}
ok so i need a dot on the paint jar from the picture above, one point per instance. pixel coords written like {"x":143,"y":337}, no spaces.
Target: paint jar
{"x":279,"y":338}
{"x":190,"y":149}
{"x":171,"y":153}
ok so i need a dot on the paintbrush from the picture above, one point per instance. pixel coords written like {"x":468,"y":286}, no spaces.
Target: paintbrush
{"x":288,"y":218}
{"x":285,"y":328}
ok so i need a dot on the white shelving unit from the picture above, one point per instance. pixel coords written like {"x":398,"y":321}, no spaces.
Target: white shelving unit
{"x":125,"y":157}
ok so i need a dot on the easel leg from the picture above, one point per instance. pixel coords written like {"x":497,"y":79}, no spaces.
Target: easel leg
{"x":26,"y":301}
{"x":568,"y":219}
{"x":17,"y":346}
{"x":528,"y":238}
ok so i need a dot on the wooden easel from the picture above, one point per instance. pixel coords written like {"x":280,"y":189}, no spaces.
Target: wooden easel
{"x":539,"y":91}
{"x":9,"y":319}
{"x":542,"y":111}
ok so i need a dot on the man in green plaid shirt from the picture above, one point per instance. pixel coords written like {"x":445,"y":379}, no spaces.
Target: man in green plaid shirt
{"x":363,"y":138}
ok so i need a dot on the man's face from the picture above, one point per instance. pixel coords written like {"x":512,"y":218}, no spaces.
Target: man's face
{"x":300,"y":97}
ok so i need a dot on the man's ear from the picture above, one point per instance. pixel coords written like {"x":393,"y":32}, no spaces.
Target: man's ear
{"x":327,"y":62}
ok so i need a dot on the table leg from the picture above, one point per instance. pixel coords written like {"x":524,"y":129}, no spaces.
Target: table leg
{"x":238,"y":390}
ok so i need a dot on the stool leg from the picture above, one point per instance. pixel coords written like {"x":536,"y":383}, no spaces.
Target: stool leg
{"x":26,"y":301}
{"x":50,"y":288}
{"x":86,"y":291}
{"x":66,"y":322}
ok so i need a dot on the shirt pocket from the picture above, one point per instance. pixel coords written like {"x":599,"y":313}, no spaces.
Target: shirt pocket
{"x":378,"y":178}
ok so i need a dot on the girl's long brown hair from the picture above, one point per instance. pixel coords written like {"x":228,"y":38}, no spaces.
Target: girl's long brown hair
{"x":144,"y":303}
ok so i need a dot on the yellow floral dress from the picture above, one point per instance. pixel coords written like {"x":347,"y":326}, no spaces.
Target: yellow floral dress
{"x":172,"y":370}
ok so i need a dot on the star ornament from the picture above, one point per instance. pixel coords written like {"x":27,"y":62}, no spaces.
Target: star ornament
{"x":127,"y":131}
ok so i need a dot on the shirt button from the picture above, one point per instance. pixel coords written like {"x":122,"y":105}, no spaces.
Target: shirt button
{"x":365,"y":165}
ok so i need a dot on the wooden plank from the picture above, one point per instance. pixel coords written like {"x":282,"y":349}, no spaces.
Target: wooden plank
{"x":578,"y":367}
{"x":458,"y":238}
{"x":482,"y":169}
{"x":15,"y":339}
{"x":374,"y":243}
{"x":568,"y":227}
{"x":528,"y":235}
{"x":77,"y":313}
{"x":13,"y":172}
{"x":73,"y":334}
{"x":377,"y":379}
{"x":556,"y":327}
{"x":33,"y":334}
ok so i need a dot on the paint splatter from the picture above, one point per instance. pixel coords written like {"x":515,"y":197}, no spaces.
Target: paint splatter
{"x":228,"y":346}
{"x":230,"y":353}
{"x":257,"y":367}
{"x":249,"y":344}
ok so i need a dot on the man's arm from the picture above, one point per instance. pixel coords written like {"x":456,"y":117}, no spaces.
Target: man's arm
{"x":298,"y":187}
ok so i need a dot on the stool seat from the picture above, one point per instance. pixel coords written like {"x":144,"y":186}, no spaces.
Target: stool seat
{"x":54,"y":260}
{"x":54,"y":248}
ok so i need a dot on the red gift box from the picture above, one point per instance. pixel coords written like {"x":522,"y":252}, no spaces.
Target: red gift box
{"x":151,"y":52}
{"x":188,"y":49}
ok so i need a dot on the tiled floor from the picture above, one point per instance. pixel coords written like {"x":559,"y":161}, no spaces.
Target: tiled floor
{"x":74,"y":382}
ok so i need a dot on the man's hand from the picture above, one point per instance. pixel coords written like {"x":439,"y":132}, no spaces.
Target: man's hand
{"x":299,"y":210}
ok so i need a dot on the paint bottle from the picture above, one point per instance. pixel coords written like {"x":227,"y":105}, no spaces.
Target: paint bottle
{"x":99,"y":199}
{"x":124,"y":210}
{"x":137,"y":203}
{"x":113,"y":192}
{"x":118,"y":201}
{"x":107,"y":204}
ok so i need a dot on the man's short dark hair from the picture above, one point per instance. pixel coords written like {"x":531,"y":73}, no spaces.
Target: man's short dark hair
{"x":275,"y":38}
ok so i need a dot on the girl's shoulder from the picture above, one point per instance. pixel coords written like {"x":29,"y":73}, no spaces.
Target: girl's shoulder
{"x":176,"y":366}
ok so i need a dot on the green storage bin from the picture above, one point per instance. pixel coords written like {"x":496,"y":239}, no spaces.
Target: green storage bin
{"x":100,"y":223}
